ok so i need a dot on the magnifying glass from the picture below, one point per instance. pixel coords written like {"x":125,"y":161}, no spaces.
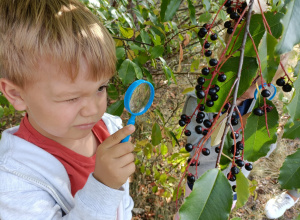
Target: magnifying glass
{"x":271,"y":88}
{"x":138,"y":99}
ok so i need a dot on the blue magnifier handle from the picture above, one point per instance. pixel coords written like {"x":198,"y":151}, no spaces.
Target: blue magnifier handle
{"x":131,"y":121}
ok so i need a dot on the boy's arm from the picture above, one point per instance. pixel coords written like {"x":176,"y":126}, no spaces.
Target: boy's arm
{"x":22,"y":200}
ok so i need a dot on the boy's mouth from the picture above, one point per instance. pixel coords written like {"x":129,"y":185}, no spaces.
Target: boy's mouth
{"x":86,"y":126}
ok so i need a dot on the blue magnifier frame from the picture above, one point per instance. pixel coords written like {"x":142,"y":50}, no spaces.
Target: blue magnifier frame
{"x":127,"y":99}
{"x":266,"y":85}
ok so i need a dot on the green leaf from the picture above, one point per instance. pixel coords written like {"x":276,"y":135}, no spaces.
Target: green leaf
{"x":163,"y":149}
{"x":128,"y":71}
{"x":242,"y":190}
{"x":298,"y":218}
{"x":257,"y":30}
{"x":1,"y":111}
{"x":269,"y":60}
{"x":3,"y":101}
{"x":148,"y":149}
{"x":206,"y":4}
{"x":294,"y":105}
{"x":297,"y":69}
{"x":192,"y":12}
{"x":222,"y":15}
{"x":112,"y":92}
{"x":156,"y":134}
{"x":292,"y":130}
{"x":157,"y":51}
{"x":205,"y":17}
{"x":289,"y":177}
{"x":230,"y":68}
{"x":257,"y":141}
{"x":211,"y":198}
{"x":126,"y":32}
{"x":116,"y":108}
{"x":120,"y":53}
{"x":168,"y":9}
{"x":290,"y":22}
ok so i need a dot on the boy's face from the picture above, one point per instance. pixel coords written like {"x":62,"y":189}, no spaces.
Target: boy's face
{"x":61,"y":109}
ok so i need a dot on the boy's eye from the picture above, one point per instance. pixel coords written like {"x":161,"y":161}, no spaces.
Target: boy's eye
{"x":101,"y":88}
{"x":72,"y":100}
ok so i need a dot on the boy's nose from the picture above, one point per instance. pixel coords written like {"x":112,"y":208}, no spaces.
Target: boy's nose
{"x":91,"y":107}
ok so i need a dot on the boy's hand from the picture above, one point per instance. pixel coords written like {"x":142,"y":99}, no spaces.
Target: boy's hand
{"x":115,"y":160}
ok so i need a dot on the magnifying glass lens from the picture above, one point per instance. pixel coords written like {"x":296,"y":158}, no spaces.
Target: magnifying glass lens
{"x":139,"y":98}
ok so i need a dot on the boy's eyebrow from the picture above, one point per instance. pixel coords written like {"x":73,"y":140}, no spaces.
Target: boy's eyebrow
{"x":69,"y":94}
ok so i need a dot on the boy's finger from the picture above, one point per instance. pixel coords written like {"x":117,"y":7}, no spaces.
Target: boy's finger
{"x":118,"y":136}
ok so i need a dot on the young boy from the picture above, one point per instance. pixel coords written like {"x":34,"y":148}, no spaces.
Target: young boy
{"x":65,"y":160}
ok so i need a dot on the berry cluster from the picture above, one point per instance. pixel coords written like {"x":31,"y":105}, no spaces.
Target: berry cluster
{"x":286,"y":87}
{"x":234,"y":9}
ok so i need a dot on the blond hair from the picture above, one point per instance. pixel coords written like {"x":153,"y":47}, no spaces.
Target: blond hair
{"x":65,"y":30}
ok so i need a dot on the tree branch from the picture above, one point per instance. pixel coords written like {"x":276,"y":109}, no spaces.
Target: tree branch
{"x":238,"y":80}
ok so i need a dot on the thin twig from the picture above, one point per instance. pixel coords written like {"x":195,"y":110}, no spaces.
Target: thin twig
{"x":238,"y":80}
{"x":125,"y":39}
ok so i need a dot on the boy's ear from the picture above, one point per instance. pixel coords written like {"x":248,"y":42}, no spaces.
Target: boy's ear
{"x":12,"y":93}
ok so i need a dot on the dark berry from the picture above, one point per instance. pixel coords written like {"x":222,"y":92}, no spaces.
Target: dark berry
{"x":239,"y":145}
{"x":198,"y":129}
{"x":200,"y":35}
{"x":202,"y":107}
{"x":205,"y":151}
{"x":201,"y":80}
{"x":217,"y":88}
{"x":236,"y":135}
{"x":234,"y":114}
{"x":240,"y":10}
{"x":206,"y":45}
{"x":198,"y":87}
{"x":229,"y":10}
{"x":258,"y":112}
{"x":280,"y":82}
{"x":234,"y":15}
{"x":248,"y":166}
{"x":184,"y":117}
{"x":181,"y":123}
{"x":189,"y":160}
{"x":287,"y":88}
{"x":207,"y":123}
{"x":214,"y":36}
{"x":228,"y":3}
{"x":205,"y":71}
{"x":188,"y":147}
{"x":187,"y":132}
{"x":234,"y":121}
{"x":232,"y":178}
{"x":265,"y":93}
{"x":240,"y":163}
{"x":191,"y":179}
{"x":193,"y":163}
{"x":227,"y":106}
{"x":217,"y":150}
{"x":208,"y":53}
{"x":204,"y":132}
{"x":244,"y":5}
{"x":269,"y":108}
{"x":222,"y":78}
{"x":227,"y":24}
{"x":233,"y":188}
{"x":230,"y":30}
{"x":235,"y":170}
{"x":237,"y":152}
{"x":203,"y":30}
{"x":200,"y":115}
{"x":213,"y":62}
{"x":199,"y":120}
{"x":210,"y":103}
{"x":215,"y":115}
{"x":212,"y":91}
{"x":214,"y":97}
{"x":200,"y":94}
